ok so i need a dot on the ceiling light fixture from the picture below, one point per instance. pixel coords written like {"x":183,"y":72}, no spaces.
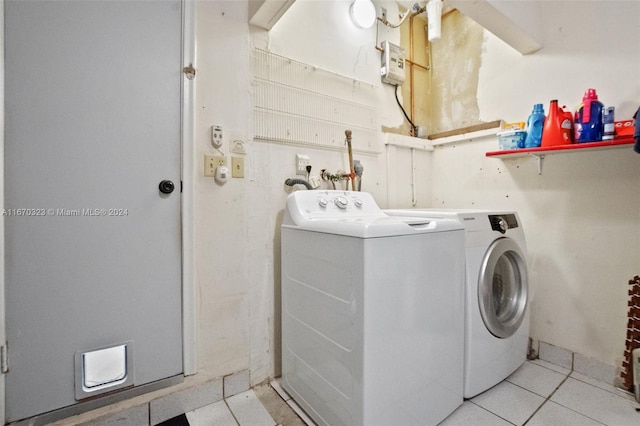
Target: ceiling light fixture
{"x":363,"y":13}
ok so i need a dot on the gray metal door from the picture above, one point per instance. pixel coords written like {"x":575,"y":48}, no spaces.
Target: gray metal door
{"x":93,"y":266}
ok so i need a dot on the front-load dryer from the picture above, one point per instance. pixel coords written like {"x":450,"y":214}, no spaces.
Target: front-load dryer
{"x":372,"y":329}
{"x":497,"y":296}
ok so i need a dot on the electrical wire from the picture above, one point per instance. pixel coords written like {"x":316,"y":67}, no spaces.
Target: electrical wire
{"x":413,"y":127}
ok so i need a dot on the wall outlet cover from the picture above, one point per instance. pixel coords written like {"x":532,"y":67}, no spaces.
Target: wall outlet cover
{"x":211,"y":162}
{"x":302,"y":161}
{"x":237,"y":167}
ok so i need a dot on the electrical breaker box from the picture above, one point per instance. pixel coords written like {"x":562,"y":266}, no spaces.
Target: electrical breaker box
{"x":393,"y":64}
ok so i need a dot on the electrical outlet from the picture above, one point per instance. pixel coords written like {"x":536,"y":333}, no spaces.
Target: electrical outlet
{"x":237,"y":167}
{"x":211,"y":162}
{"x":216,"y":136}
{"x":302,"y":161}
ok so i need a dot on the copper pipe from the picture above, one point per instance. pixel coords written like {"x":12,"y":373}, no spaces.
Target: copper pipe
{"x":415,"y":64}
{"x":352,"y":173}
{"x":411,"y":100}
{"x":410,"y":60}
{"x":411,"y":37}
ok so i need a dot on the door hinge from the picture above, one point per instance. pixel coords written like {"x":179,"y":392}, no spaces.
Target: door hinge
{"x":190,"y":72}
{"x":4,"y":358}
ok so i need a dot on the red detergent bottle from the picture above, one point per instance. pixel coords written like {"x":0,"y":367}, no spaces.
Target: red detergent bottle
{"x":588,"y":123}
{"x":557,"y":127}
{"x":568,"y":123}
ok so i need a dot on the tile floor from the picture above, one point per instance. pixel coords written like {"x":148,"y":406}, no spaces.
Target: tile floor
{"x":539,"y":393}
{"x":242,"y":409}
{"x":260,"y":406}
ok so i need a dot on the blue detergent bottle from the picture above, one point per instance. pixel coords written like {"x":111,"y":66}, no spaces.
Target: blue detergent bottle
{"x":588,"y":122}
{"x":535,"y":124}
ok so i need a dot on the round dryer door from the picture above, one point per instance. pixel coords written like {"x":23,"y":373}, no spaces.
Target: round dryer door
{"x":502,"y":287}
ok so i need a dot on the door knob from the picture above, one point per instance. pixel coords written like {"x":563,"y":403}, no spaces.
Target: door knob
{"x":166,"y":187}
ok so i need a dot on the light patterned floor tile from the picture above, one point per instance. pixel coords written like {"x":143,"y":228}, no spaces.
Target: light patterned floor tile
{"x":552,"y":414}
{"x":216,"y":414}
{"x":471,"y":414}
{"x":510,"y":402}
{"x":248,"y":410}
{"x":537,"y":379}
{"x":596,"y":403}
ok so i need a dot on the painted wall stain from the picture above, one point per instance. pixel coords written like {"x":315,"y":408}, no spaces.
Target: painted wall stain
{"x":452,"y":100}
{"x":445,"y":96}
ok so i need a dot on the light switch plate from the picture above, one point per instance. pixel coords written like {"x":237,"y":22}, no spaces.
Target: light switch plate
{"x":237,"y":167}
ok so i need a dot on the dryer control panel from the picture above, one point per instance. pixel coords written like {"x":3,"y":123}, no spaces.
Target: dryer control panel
{"x":503,"y":222}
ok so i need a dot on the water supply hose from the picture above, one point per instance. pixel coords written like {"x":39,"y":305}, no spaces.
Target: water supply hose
{"x":291,"y":182}
{"x":358,"y":168}
{"x":409,"y":12}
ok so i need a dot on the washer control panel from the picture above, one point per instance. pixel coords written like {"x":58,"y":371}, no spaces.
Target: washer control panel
{"x":332,"y":204}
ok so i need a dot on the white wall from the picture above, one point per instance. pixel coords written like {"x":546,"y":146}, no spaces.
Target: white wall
{"x":237,"y":224}
{"x":3,"y":337}
{"x":582,"y":216}
{"x":222,"y":98}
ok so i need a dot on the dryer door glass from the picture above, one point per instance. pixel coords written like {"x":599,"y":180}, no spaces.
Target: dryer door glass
{"x":502,"y":287}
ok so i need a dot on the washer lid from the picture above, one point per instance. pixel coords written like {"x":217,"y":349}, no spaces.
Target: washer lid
{"x":353,"y":214}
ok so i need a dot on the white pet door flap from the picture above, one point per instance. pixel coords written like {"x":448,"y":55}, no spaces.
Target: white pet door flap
{"x":103,"y":370}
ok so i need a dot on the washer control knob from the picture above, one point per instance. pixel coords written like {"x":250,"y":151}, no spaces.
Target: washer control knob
{"x":341,"y":202}
{"x":357,"y":202}
{"x":501,"y":225}
{"x":323,"y":202}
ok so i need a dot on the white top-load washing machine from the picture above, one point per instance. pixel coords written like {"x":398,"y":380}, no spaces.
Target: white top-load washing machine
{"x":372,"y":311}
{"x":497,"y":297}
